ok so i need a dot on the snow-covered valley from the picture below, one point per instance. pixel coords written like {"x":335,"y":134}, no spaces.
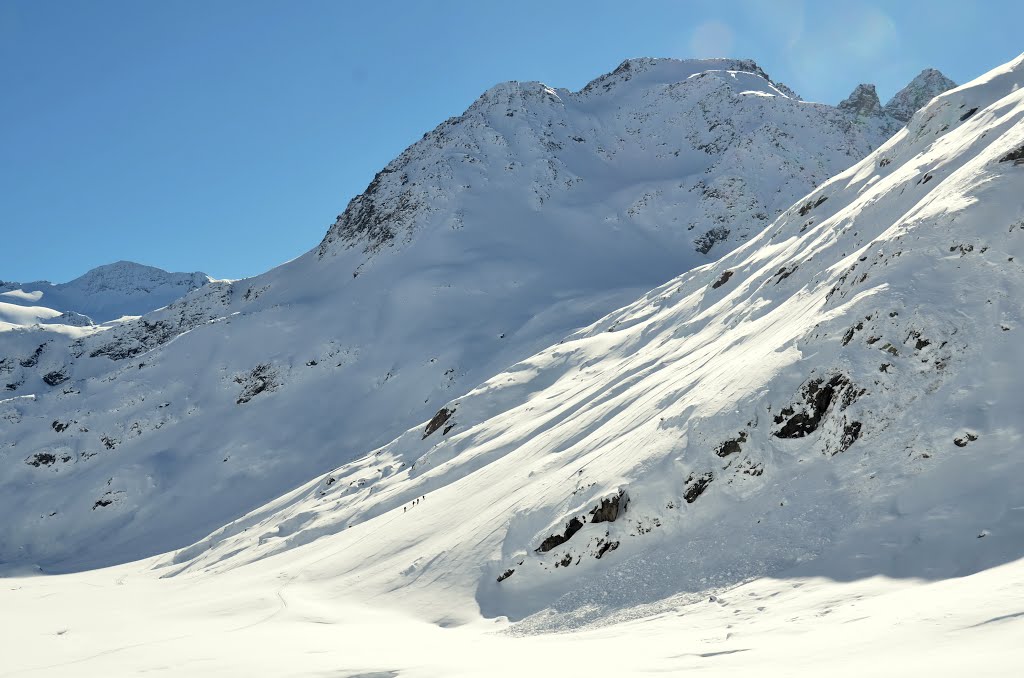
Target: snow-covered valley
{"x":268,"y":622}
{"x":801,"y":457}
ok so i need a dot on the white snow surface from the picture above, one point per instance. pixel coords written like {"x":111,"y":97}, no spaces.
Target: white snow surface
{"x":500,"y":232}
{"x":278,"y":622}
{"x":812,"y":447}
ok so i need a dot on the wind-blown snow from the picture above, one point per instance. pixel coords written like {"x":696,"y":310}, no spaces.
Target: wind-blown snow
{"x":533,"y":214}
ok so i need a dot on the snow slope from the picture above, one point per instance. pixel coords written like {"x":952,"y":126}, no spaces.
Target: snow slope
{"x":501,"y":231}
{"x":837,"y":398}
{"x":107,"y":292}
{"x":775,"y":525}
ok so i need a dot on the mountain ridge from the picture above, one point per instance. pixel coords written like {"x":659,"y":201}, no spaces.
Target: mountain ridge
{"x":832,"y":399}
{"x":108,"y":291}
{"x":496,"y":235}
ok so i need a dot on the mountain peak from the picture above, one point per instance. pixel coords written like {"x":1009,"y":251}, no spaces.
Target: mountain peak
{"x":111,"y":290}
{"x":664,"y":70}
{"x":863,"y":101}
{"x":928,"y":84}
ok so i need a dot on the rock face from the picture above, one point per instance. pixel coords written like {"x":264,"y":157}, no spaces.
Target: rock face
{"x":535,"y":212}
{"x":863,"y":101}
{"x":929,"y":84}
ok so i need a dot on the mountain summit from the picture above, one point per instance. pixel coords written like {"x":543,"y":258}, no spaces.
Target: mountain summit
{"x":863,"y":101}
{"x":926,"y":86}
{"x":107,"y":292}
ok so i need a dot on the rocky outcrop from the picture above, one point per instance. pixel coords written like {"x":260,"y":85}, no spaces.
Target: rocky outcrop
{"x":571,"y":528}
{"x":926,"y":86}
{"x":863,"y":101}
{"x":438,"y":420}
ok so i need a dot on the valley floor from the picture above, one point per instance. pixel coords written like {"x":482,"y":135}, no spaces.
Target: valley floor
{"x":258,"y":622}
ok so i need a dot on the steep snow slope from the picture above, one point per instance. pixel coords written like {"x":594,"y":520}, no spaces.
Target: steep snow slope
{"x":501,"y":231}
{"x":106,"y":292}
{"x":839,"y":397}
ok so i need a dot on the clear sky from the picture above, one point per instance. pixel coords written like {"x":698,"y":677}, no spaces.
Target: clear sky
{"x":225,"y":135}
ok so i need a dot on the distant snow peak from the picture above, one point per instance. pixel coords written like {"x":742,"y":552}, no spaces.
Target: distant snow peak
{"x":106,"y":292}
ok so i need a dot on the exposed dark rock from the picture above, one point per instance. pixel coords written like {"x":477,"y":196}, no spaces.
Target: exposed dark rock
{"x":55,"y":377}
{"x":704,"y":242}
{"x":850,"y":434}
{"x":962,"y":442}
{"x":555,"y":540}
{"x":138,"y":339}
{"x":1016,"y":156}
{"x":610,"y":508}
{"x":731,"y":446}
{"x":848,"y":337}
{"x":261,"y":378}
{"x":809,"y":205}
{"x":922,"y":89}
{"x":696,"y":486}
{"x":785,"y":273}
{"x":41,"y":459}
{"x":439,"y":420}
{"x":32,"y":360}
{"x":103,"y":501}
{"x":818,"y":397}
{"x":108,"y":442}
{"x":863,"y":101}
{"x":506,"y":574}
{"x":605,"y":547}
{"x":968,"y":114}
{"x":371,"y":217}
{"x":58,"y":426}
{"x":724,"y":278}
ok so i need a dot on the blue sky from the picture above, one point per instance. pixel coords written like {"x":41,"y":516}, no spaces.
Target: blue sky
{"x":225,"y":136}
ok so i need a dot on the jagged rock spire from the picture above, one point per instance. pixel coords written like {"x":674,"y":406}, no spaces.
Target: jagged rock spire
{"x":863,"y":101}
{"x":926,"y":86}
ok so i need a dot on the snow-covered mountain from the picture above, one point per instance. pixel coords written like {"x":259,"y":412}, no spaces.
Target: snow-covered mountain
{"x":498,"y":233}
{"x":839,"y":398}
{"x":104,"y":293}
